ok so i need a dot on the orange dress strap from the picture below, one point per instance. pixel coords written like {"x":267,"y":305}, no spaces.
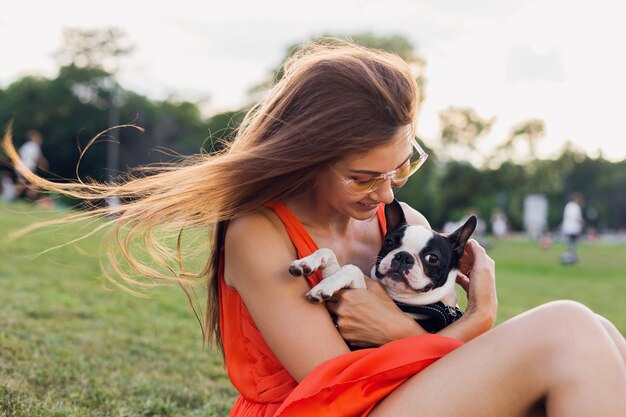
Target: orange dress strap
{"x":301,"y":239}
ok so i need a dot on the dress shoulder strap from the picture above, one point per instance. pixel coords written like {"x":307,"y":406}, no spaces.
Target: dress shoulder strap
{"x":382,"y":221}
{"x":303,"y":242}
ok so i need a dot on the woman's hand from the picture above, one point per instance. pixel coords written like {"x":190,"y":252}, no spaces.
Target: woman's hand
{"x":478,"y":279}
{"x":369,"y":317}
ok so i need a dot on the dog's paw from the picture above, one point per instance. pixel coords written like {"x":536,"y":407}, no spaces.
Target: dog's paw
{"x":319,"y":293}
{"x":301,"y":267}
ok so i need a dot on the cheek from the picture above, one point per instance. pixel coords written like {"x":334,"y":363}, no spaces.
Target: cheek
{"x":334,"y":190}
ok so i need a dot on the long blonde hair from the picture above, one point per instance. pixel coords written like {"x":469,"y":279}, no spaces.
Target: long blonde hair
{"x":335,"y":99}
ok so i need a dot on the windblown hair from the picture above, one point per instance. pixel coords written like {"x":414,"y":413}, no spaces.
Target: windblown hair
{"x":335,"y":99}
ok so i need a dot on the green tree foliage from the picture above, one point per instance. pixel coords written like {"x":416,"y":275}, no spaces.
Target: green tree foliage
{"x":423,"y":190}
{"x":529,"y":131}
{"x":72,"y":108}
{"x":222,"y":128}
{"x":461,"y":129}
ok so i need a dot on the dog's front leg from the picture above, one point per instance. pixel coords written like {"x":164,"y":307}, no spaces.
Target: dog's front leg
{"x":323,"y":259}
{"x":348,"y":276}
{"x":334,"y":276}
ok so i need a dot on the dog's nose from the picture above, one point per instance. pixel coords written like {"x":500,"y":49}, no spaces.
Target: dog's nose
{"x":405,"y":258}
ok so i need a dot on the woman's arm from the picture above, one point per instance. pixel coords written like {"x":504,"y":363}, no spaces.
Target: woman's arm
{"x":257,"y":256}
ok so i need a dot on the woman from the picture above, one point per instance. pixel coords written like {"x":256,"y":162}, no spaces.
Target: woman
{"x":312,"y":166}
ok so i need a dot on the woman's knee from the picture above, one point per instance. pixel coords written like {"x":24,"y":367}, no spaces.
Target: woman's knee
{"x":567,"y":315}
{"x":557,"y":335}
{"x":567,"y":325}
{"x":567,"y":308}
{"x":560,"y":324}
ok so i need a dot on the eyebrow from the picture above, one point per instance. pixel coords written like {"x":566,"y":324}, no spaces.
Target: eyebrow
{"x":365,"y":171}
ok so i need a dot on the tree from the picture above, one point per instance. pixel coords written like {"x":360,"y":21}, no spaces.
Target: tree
{"x":96,"y":48}
{"x":222,"y":128}
{"x":97,"y":52}
{"x":461,"y":128}
{"x":529,"y":131}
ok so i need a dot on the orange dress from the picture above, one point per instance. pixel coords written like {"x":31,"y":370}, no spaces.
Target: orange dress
{"x":349,"y":385}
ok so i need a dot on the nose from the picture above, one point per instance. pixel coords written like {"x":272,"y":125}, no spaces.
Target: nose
{"x":384,"y":193}
{"x":405,"y":258}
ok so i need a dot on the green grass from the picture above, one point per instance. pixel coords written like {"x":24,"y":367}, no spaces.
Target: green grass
{"x":528,"y":276}
{"x":71,"y":344}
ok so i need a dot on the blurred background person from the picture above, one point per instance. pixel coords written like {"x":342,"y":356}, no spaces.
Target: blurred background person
{"x":499,"y":223}
{"x":7,"y":185}
{"x":32,"y":156}
{"x":572,"y":227}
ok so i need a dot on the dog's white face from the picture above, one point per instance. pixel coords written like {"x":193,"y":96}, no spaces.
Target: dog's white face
{"x":403,"y":268}
{"x":416,"y":265}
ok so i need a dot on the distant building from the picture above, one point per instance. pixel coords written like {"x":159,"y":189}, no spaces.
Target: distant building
{"x":535,"y":215}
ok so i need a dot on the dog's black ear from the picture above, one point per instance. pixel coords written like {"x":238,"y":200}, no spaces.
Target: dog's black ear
{"x":460,"y":236}
{"x":394,"y":215}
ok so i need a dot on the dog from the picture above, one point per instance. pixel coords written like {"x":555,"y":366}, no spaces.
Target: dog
{"x":416,"y":265}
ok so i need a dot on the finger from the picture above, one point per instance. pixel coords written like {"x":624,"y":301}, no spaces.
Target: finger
{"x":463,"y":281}
{"x":468,"y":259}
{"x":332,"y":307}
{"x":338,"y":296}
{"x":476,"y":248}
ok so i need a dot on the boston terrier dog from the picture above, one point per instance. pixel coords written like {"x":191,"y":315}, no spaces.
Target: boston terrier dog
{"x":416,"y":266}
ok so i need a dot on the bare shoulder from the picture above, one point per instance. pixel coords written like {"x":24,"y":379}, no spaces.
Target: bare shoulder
{"x":248,"y":242}
{"x":413,"y":216}
{"x":253,"y":225}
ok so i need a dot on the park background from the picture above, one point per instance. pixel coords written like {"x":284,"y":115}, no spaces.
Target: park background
{"x":518,"y":100}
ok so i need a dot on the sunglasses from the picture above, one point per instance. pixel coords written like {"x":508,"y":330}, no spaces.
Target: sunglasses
{"x":398,"y":176}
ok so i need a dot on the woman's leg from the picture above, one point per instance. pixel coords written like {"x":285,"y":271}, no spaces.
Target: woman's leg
{"x":558,"y":355}
{"x":617,"y":337}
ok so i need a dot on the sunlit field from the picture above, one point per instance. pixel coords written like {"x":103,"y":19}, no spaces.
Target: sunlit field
{"x":73,"y":344}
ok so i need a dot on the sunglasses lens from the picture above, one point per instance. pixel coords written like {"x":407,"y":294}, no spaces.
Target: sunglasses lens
{"x":398,"y":179}
{"x":409,"y":170}
{"x":404,"y":173}
{"x":362,"y":186}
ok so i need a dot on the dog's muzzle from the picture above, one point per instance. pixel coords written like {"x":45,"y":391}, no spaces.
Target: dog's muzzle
{"x":399,"y":267}
{"x":402,"y":262}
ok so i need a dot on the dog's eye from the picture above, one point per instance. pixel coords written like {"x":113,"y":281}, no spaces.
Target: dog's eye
{"x":388,"y":244}
{"x":431,"y":258}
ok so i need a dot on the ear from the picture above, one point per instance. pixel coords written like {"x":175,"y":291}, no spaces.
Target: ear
{"x":460,"y":236}
{"x":394,"y":215}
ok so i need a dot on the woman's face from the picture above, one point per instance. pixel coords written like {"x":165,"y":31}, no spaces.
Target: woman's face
{"x":363,"y":167}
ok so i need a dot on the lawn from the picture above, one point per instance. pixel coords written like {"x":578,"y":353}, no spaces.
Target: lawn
{"x":72,"y":344}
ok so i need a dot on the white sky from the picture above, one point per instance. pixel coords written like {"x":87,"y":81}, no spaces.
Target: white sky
{"x":558,"y":60}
